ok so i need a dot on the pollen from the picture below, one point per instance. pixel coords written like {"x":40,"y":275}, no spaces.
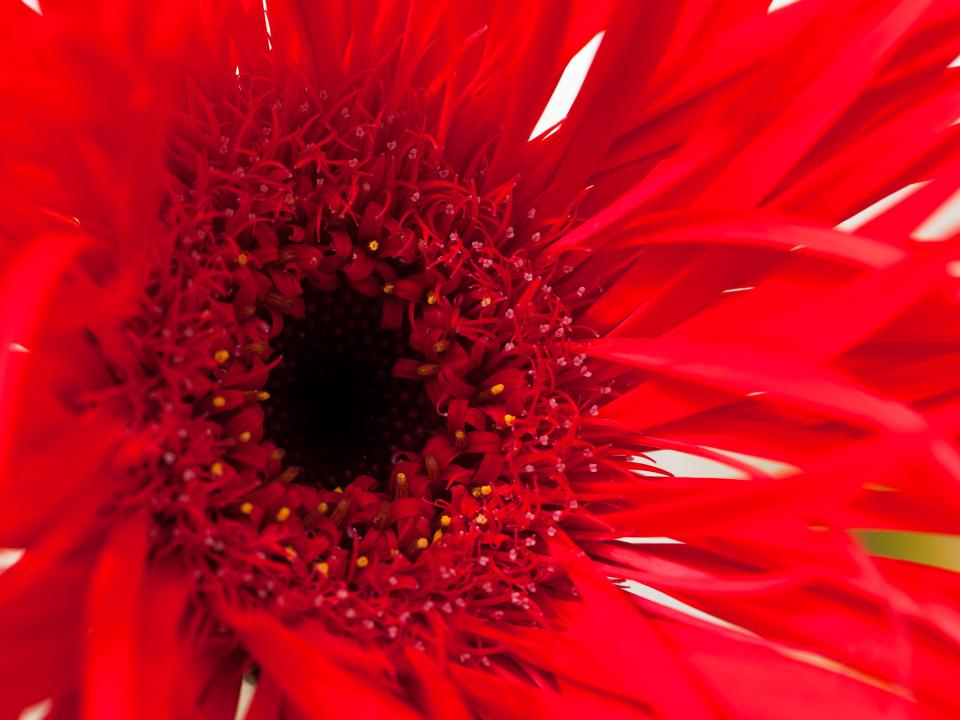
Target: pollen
{"x":219,"y":401}
{"x":373,"y":245}
{"x":246,"y":507}
{"x":245,"y":436}
{"x":263,"y":395}
{"x":363,"y":561}
{"x":422,"y":543}
{"x":216,"y":469}
{"x":389,"y":288}
{"x":282,"y":514}
{"x":431,"y":298}
{"x":277,"y":454}
{"x":221,"y":356}
{"x":322,"y":508}
{"x":243,"y":259}
{"x":428,"y":369}
{"x":441,"y":345}
{"x":323,"y":568}
{"x":509,"y":419}
{"x":486,"y":489}
{"x":481,"y":519}
{"x":497,"y":389}
{"x":445,"y":520}
{"x":291,"y":551}
{"x":437,"y":535}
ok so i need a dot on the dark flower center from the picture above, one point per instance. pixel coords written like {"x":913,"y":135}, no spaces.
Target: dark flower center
{"x":361,"y":372}
{"x":335,"y":405}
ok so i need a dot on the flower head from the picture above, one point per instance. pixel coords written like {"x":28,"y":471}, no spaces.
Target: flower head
{"x":320,"y":367}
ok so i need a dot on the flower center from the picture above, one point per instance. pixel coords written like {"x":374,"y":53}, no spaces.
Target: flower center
{"x":357,"y":367}
{"x":335,"y":406}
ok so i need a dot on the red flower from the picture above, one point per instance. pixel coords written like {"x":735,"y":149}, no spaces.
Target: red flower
{"x":317,"y":368}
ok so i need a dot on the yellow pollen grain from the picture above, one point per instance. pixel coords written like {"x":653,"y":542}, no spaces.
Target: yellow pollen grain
{"x":216,"y":469}
{"x":389,"y":288}
{"x":441,"y":346}
{"x":486,"y":301}
{"x":263,"y":395}
{"x":291,"y":551}
{"x":427,"y":370}
{"x":476,"y":492}
{"x":481,"y":519}
{"x":219,"y":401}
{"x":322,"y":508}
{"x":246,"y":507}
{"x":373,"y":245}
{"x":445,"y":520}
{"x":221,"y":356}
{"x":459,"y":436}
{"x":497,"y":389}
{"x":244,"y":436}
{"x":431,"y":298}
{"x":363,"y":561}
{"x":282,"y":514}
{"x":422,"y":543}
{"x":277,"y":454}
{"x":243,"y":259}
{"x":437,"y":535}
{"x":338,"y":489}
{"x":486,"y":489}
{"x":401,"y":477}
{"x":323,"y":568}
{"x":288,"y":198}
{"x":509,"y":419}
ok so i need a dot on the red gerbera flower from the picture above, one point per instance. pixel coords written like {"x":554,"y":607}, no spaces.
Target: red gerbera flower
{"x":326,"y":364}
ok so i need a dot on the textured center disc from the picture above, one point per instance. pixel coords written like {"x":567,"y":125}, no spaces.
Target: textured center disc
{"x":336,"y":409}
